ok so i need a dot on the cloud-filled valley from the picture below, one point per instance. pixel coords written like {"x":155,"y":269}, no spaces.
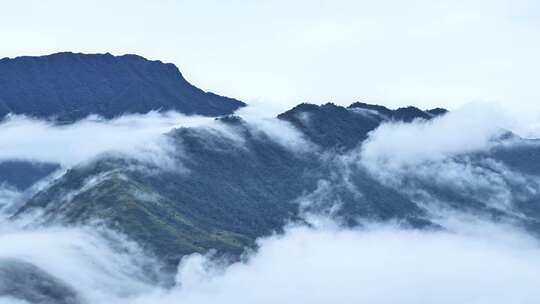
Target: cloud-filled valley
{"x":376,"y":264}
{"x":323,"y":204}
{"x":380,"y":264}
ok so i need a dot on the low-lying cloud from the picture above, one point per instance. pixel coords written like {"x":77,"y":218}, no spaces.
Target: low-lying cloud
{"x":470,"y":263}
{"x":450,"y":155}
{"x":467,"y":260}
{"x":136,"y":135}
{"x":465,"y":130}
{"x":140,"y":135}
{"x":101,"y":266}
{"x":374,"y":265}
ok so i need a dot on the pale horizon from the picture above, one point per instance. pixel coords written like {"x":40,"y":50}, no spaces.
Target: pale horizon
{"x":392,"y":53}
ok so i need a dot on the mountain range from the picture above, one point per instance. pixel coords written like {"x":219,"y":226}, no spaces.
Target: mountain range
{"x":235,"y":180}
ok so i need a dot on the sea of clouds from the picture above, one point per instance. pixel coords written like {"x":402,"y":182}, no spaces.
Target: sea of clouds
{"x":470,"y":260}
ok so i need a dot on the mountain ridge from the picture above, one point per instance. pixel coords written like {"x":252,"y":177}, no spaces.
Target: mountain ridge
{"x":233,"y":193}
{"x":69,"y":86}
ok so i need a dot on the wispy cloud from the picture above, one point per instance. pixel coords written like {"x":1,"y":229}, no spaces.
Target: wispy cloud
{"x":138,"y":135}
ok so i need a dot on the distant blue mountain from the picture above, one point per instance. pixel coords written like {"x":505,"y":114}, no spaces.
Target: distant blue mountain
{"x":69,"y":86}
{"x":23,"y":174}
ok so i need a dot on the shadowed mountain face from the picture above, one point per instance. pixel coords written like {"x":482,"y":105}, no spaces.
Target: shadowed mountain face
{"x":234,"y":182}
{"x":233,"y":189}
{"x":23,"y":174}
{"x":338,"y":127}
{"x":24,"y":281}
{"x":68,"y":87}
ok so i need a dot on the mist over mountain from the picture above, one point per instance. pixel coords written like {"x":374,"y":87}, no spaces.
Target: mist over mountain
{"x":236,"y":183}
{"x":68,"y":86}
{"x":150,"y":204}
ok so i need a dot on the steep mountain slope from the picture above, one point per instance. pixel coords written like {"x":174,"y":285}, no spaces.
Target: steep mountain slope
{"x":68,"y":87}
{"x":237,"y":183}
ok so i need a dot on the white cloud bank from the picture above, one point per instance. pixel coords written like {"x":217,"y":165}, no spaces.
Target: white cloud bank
{"x":479,"y":263}
{"x":261,"y":118}
{"x":29,"y":139}
{"x":137,"y":135}
{"x":101,"y":267}
{"x":377,"y":265}
{"x":416,"y":158}
{"x":468,"y":129}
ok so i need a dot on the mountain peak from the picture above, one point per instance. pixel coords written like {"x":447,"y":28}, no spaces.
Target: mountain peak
{"x":406,"y":114}
{"x":69,"y":86}
{"x":331,"y":125}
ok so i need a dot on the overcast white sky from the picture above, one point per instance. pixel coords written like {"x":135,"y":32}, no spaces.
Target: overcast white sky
{"x":422,"y":52}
